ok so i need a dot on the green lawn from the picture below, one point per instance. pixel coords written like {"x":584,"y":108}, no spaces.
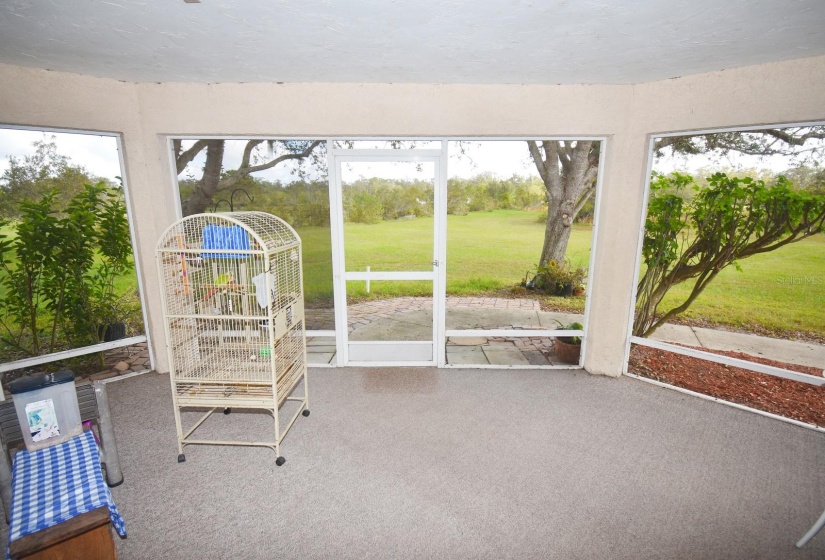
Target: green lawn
{"x":488,"y":250}
{"x":782,"y":290}
{"x":316,"y":250}
{"x":484,"y":249}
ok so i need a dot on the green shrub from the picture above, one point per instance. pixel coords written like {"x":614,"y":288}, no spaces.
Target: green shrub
{"x":364,"y":208}
{"x":59,"y":270}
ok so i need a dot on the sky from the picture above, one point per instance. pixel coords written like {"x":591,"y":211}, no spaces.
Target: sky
{"x":504,"y":158}
{"x":693,"y":163}
{"x":98,"y":154}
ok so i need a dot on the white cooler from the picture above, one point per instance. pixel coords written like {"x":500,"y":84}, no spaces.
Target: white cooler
{"x":46,"y":408}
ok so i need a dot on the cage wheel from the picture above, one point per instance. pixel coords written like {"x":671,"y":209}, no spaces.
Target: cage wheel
{"x":181,"y":458}
{"x":280,"y":461}
{"x":305,"y":412}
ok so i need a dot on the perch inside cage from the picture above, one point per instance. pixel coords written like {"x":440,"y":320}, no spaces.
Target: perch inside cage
{"x":234,"y":316}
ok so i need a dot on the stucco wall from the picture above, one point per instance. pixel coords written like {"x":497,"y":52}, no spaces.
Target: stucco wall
{"x":144,"y":113}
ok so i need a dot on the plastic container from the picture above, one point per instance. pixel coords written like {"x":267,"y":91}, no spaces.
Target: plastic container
{"x":46,"y":408}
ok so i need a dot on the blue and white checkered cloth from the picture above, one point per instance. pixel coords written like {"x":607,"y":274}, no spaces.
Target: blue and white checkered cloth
{"x":54,"y":484}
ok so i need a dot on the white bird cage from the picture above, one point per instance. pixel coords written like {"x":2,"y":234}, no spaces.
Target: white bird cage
{"x":233,"y":304}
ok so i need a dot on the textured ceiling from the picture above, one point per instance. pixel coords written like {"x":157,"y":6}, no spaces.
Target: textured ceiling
{"x":424,"y":41}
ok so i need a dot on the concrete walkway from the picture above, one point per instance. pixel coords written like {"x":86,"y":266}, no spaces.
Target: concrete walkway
{"x":789,"y":351}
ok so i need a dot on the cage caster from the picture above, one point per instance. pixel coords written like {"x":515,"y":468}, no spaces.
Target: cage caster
{"x":181,"y":458}
{"x":280,"y":461}
{"x":227,"y":410}
{"x":306,"y":412}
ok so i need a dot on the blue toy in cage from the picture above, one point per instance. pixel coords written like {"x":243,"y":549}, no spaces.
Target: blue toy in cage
{"x":232,"y":238}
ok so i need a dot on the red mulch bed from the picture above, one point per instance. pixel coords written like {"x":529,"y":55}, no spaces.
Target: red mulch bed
{"x":792,"y":399}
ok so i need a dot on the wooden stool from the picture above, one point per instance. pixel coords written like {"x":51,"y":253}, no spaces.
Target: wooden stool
{"x":85,"y":537}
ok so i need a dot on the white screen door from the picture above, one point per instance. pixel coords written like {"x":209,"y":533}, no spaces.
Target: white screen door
{"x":386,"y":234}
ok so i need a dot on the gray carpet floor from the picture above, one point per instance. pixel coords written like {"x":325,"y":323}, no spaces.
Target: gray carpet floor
{"x":422,"y":463}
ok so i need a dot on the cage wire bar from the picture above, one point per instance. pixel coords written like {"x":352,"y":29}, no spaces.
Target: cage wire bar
{"x":233,"y":306}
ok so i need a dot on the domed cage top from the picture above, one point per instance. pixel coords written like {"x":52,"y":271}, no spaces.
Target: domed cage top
{"x":232,"y":292}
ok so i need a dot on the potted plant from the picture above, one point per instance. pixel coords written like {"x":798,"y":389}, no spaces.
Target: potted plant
{"x":556,"y":278}
{"x":571,"y":279}
{"x":568,"y":348}
{"x":109,"y":309}
{"x":109,"y":312}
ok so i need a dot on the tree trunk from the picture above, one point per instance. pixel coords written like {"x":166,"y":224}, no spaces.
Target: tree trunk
{"x":206,"y":188}
{"x":557,"y":231}
{"x":568,"y":171}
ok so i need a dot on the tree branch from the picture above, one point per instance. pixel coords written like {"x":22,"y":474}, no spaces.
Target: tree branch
{"x":731,"y":220}
{"x":664,"y":142}
{"x":183,"y":159}
{"x":790,"y":139}
{"x":586,"y":195}
{"x":535,"y":154}
{"x":247,"y":154}
{"x":564,"y":152}
{"x":590,"y":174}
{"x":277,"y":160}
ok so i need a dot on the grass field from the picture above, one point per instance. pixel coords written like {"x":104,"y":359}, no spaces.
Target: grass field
{"x":316,"y":249}
{"x":782,"y":290}
{"x":486,"y":251}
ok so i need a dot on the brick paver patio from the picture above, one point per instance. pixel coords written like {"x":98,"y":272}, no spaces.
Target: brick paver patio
{"x":497,"y":350}
{"x":533,"y":350}
{"x":361,"y":314}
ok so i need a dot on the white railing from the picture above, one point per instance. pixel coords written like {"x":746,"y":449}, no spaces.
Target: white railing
{"x":65,"y":354}
{"x":727,"y":360}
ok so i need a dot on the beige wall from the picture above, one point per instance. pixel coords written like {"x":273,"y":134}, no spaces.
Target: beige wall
{"x":144,"y":113}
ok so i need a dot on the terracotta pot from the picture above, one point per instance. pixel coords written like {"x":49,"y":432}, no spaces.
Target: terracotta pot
{"x":567,"y":352}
